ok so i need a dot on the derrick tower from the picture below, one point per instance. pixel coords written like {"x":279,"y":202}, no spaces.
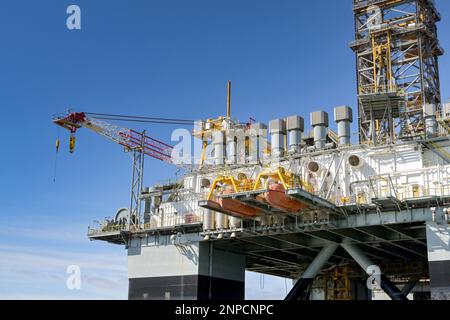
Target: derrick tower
{"x":397,"y":52}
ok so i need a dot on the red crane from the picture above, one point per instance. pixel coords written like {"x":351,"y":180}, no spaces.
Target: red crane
{"x":139,"y":144}
{"x":128,"y":138}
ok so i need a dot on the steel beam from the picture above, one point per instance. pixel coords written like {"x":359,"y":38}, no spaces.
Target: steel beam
{"x":302,"y":284}
{"x":358,"y":255}
{"x":409,"y":287}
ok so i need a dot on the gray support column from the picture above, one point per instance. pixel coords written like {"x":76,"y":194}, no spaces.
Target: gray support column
{"x":221,"y":274}
{"x":302,"y":284}
{"x":344,"y":117}
{"x":319,"y":122}
{"x":183,"y":267}
{"x":438,"y":242}
{"x":278,"y":137}
{"x":295,"y":126}
{"x":358,"y":255}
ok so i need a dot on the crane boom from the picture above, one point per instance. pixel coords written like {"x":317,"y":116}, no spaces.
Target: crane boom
{"x":128,"y":138}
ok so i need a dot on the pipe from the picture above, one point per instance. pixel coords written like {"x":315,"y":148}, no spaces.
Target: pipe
{"x":319,"y":122}
{"x":295,"y":126}
{"x":302,"y":284}
{"x":219,"y":148}
{"x":343,"y":116}
{"x":231,"y":147}
{"x":320,"y":133}
{"x":208,"y":220}
{"x":356,"y":253}
{"x":221,"y":221}
{"x":234,"y":223}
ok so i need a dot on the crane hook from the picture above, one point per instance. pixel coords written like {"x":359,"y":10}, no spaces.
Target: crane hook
{"x":72,"y":143}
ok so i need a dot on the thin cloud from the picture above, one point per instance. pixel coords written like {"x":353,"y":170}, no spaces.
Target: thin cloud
{"x":25,"y":269}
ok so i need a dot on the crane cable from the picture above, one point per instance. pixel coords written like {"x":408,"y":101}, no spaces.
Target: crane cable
{"x":117,"y":117}
{"x":154,"y":120}
{"x":57,"y":144}
{"x":144,"y":121}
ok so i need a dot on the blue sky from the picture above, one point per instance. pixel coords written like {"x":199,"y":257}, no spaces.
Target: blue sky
{"x":165,"y":58}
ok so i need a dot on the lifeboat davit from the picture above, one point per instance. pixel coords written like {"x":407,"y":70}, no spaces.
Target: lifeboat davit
{"x":236,"y":206}
{"x":276,"y":197}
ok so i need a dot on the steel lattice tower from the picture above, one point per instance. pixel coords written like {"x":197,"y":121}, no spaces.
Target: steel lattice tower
{"x":397,"y":52}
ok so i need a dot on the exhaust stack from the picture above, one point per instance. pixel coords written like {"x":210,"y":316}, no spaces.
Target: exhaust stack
{"x":429,"y":114}
{"x":278,"y":137}
{"x":344,"y":117}
{"x":258,"y":134}
{"x":295,"y":127}
{"x":319,"y":121}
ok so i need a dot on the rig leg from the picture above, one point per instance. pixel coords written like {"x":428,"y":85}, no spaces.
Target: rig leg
{"x":183,"y":267}
{"x":298,"y":291}
{"x":438,"y":242}
{"x":409,"y":287}
{"x":391,"y":290}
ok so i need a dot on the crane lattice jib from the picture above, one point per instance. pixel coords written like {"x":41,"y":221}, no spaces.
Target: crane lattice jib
{"x":129,"y":139}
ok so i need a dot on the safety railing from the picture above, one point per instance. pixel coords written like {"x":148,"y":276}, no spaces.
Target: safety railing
{"x":164,"y":221}
{"x":173,"y":221}
{"x":373,"y":89}
{"x":412,"y":184}
{"x":110,"y":228}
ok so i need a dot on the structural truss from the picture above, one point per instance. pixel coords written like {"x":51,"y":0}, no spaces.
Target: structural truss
{"x":397,"y":52}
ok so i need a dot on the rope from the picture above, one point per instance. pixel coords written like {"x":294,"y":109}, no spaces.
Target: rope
{"x":138,"y":118}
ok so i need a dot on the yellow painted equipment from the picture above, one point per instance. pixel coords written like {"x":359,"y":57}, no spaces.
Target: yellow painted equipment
{"x":230,"y":185}
{"x":72,"y":144}
{"x":337,"y":284}
{"x":287,"y":179}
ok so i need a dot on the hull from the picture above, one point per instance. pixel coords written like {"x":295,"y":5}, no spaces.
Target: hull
{"x":276,"y":197}
{"x":236,"y":206}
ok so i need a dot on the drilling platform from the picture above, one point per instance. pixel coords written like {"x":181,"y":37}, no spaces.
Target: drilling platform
{"x":299,"y":201}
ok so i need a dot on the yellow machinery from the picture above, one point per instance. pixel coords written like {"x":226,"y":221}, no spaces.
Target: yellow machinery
{"x":336,"y":284}
{"x":207,"y":128}
{"x":238,"y":185}
{"x":242,"y":183}
{"x":287,"y":179}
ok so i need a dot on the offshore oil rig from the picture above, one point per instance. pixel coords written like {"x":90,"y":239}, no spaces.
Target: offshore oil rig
{"x":304,"y":204}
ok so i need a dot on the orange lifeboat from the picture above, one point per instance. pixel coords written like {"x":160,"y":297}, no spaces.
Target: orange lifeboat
{"x":236,"y":206}
{"x":276,"y":197}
